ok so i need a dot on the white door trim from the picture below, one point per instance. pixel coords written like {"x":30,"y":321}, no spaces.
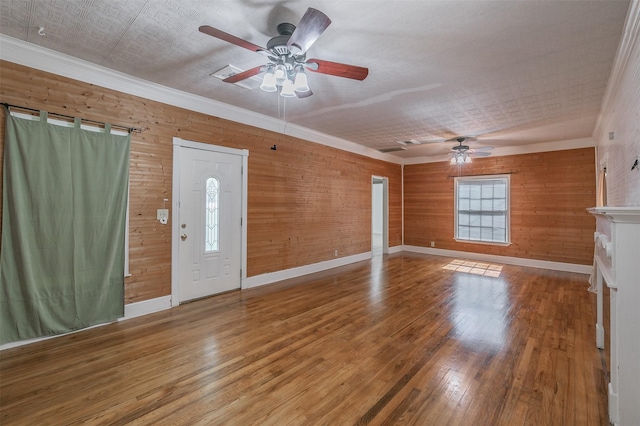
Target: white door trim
{"x":385,"y":211}
{"x":175,"y":226}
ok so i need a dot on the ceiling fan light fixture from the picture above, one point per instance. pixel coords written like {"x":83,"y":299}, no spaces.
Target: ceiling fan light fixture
{"x":281,"y":72}
{"x":301,"y":84}
{"x":287,"y":53}
{"x":269,"y":82}
{"x":467,"y":159}
{"x":459,"y":159}
{"x":287,"y":90}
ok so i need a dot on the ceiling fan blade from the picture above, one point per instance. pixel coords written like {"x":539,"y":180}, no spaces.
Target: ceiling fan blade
{"x":214,"y":32}
{"x":244,"y":74}
{"x":303,"y":95}
{"x":312,"y":24}
{"x":337,"y":69}
{"x":480,"y":154}
{"x":483,"y":148}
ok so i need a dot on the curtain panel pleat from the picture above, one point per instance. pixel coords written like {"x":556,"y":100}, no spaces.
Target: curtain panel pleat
{"x":63,"y":228}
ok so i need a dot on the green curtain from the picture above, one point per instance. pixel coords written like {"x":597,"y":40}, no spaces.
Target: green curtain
{"x":63,"y":228}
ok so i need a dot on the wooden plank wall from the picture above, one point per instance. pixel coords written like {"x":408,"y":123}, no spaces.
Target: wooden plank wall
{"x":549,"y":194}
{"x":305,"y":200}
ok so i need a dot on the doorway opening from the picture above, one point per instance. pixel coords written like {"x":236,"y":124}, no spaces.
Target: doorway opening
{"x":379,"y":215}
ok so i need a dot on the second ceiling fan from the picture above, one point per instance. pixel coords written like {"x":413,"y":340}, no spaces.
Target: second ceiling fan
{"x":286,"y":52}
{"x":462,"y":153}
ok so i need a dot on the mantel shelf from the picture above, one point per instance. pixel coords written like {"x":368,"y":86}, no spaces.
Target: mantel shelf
{"x":617,"y":214}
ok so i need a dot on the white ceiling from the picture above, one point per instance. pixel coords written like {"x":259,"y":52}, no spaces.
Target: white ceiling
{"x":508,"y":72}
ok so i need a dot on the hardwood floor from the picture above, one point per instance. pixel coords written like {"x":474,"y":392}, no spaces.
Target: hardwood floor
{"x":400,"y":339}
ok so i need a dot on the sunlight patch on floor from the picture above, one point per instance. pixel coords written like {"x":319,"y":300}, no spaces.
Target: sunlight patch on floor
{"x":471,"y":267}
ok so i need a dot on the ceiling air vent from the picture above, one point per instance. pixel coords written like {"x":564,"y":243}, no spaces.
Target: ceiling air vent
{"x":248,"y":83}
{"x":409,"y":142}
{"x":393,"y":149}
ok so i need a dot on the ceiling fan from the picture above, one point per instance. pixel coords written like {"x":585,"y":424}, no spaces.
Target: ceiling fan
{"x":286,"y":52}
{"x":459,"y":155}
{"x":462,"y":153}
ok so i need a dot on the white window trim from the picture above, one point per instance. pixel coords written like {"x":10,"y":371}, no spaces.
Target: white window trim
{"x":455,"y":208}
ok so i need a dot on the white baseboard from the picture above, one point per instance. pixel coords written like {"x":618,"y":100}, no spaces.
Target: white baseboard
{"x":145,"y":307}
{"x":614,"y":413}
{"x":286,"y":274}
{"x":518,"y":261}
{"x":131,"y":310}
{"x":395,"y":249}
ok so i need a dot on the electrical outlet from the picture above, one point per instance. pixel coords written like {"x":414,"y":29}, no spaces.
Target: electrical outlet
{"x":163,"y":216}
{"x":335,"y":253}
{"x":433,"y":243}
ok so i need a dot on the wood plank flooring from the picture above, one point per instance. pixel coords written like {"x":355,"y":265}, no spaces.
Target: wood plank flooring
{"x":400,"y":339}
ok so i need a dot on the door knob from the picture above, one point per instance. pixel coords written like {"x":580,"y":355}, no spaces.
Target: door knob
{"x":183,"y":237}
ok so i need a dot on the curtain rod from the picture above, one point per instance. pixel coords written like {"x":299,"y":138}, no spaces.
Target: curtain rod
{"x":484,"y":174}
{"x":130,"y":129}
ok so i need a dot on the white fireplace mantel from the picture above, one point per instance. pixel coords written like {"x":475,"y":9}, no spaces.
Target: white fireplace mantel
{"x":617,"y":262}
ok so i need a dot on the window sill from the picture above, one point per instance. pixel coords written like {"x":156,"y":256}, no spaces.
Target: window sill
{"x":489,"y":243}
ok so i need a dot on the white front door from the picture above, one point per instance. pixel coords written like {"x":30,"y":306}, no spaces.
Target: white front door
{"x":209,"y":217}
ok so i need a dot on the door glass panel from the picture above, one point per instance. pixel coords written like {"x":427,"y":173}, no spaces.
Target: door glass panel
{"x":211,"y":215}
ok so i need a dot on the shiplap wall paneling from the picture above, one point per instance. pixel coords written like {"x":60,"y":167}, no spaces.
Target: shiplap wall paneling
{"x":322,"y":197}
{"x":305,"y":200}
{"x":550,"y":193}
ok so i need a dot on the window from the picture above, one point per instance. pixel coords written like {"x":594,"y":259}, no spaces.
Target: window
{"x":211,"y":215}
{"x":482,"y":209}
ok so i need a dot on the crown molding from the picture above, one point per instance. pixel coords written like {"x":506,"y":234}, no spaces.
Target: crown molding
{"x":516,"y":150}
{"x":43,"y":59}
{"x":630,"y":35}
{"x":37,"y":57}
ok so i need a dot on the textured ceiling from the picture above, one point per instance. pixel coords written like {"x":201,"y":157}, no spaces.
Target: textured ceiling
{"x":507,"y":72}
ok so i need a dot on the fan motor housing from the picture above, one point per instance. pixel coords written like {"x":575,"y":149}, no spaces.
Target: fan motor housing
{"x":278,"y":45}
